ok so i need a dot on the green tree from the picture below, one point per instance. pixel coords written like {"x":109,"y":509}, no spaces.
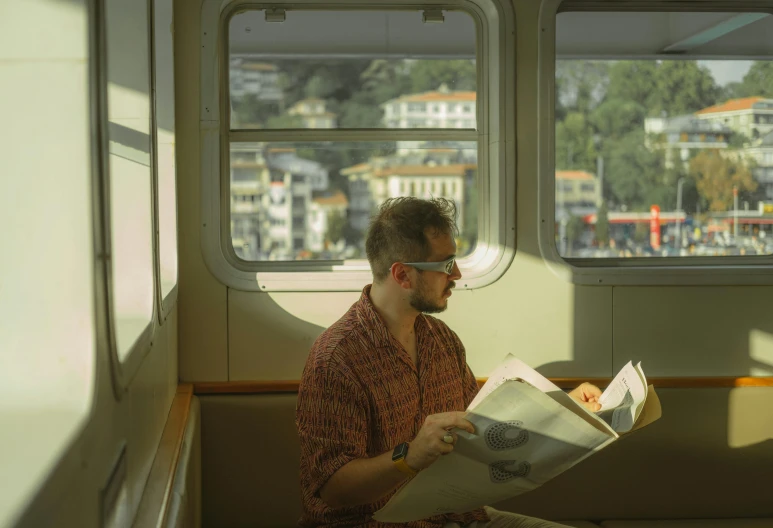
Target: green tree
{"x":380,"y":82}
{"x":732,"y":90}
{"x":641,"y":233}
{"x":323,"y":84}
{"x":470,"y":227}
{"x":616,"y":117}
{"x":683,"y":87}
{"x":716,"y":176}
{"x":633,"y":81}
{"x":336,"y":222}
{"x":631,"y":171}
{"x":581,"y":84}
{"x":458,"y":75}
{"x":602,"y":226}
{"x":574,"y":229}
{"x":285,"y":121}
{"x":574,"y":143}
{"x":249,"y":111}
{"x":758,"y":81}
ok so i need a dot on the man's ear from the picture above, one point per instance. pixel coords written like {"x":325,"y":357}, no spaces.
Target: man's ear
{"x":401,"y":275}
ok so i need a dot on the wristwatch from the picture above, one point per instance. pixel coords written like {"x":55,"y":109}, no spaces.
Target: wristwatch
{"x":398,"y":459}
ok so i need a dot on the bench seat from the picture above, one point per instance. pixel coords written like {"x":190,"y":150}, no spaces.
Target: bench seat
{"x":692,"y":523}
{"x":709,"y":456}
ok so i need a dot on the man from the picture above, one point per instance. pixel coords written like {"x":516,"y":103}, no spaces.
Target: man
{"x":384,"y":387}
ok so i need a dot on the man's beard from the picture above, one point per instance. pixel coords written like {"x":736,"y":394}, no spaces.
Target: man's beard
{"x":421,"y":299}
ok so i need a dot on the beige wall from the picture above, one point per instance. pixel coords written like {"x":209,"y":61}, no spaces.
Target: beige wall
{"x":135,"y":418}
{"x":71,"y":495}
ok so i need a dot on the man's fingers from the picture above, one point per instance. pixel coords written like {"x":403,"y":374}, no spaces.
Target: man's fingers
{"x":591,"y":406}
{"x":455,"y":438}
{"x":455,"y":419}
{"x":591,"y":391}
{"x":445,"y":448}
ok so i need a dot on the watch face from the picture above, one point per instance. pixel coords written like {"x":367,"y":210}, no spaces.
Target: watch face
{"x":400,"y":451}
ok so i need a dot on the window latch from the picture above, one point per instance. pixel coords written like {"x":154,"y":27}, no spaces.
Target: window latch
{"x":275,"y":15}
{"x":433,"y":16}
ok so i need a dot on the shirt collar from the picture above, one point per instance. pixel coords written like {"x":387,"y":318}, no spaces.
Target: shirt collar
{"x":375,"y":325}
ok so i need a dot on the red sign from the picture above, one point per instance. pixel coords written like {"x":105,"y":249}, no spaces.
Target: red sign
{"x":655,"y":227}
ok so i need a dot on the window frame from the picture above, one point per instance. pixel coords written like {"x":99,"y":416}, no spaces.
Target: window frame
{"x":495,"y":136}
{"x":165,"y":303}
{"x":122,"y":372}
{"x":651,"y":271}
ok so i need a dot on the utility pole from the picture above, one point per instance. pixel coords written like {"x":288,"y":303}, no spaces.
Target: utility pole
{"x":735,"y":214}
{"x":679,"y":184}
{"x":600,"y":176}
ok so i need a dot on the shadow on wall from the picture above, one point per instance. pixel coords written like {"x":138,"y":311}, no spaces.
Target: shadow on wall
{"x":679,"y":467}
{"x":267,"y":342}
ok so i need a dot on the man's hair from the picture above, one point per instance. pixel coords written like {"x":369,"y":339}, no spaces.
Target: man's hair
{"x":397,"y":231}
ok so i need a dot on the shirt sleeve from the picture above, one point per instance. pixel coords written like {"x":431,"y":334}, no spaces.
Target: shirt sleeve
{"x":331,"y":417}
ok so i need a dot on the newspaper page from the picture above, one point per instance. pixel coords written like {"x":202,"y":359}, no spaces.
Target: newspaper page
{"x":622,"y":402}
{"x":523,"y":438}
{"x":513,"y":368}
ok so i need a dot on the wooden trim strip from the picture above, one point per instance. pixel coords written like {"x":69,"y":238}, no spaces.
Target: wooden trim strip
{"x":156,"y":497}
{"x":291,"y":386}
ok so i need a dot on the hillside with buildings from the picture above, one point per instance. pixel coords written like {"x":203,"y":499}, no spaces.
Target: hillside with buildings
{"x":630,"y":135}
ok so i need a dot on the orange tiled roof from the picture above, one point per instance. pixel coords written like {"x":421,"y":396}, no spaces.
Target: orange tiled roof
{"x":258,"y":66}
{"x":309,"y":100}
{"x":457,"y":169}
{"x":355,"y":169}
{"x":574,"y":175}
{"x":247,"y":165}
{"x":278,"y":150}
{"x":337,"y":198}
{"x":733,"y":105}
{"x":438,"y":96}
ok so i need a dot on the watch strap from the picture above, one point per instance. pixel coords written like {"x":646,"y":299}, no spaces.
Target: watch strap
{"x":403,"y":467}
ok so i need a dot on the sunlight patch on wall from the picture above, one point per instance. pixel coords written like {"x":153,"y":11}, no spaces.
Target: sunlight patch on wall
{"x":749,"y":420}
{"x":761,"y":353}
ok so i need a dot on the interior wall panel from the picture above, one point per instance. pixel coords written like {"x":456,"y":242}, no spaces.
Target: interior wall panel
{"x":201,"y":299}
{"x":694,"y":331}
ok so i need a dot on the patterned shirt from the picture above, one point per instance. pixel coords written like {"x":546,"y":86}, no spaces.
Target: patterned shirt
{"x":361,"y":395}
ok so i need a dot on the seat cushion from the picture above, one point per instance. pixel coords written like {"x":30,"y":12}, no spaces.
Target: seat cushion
{"x":579,"y":524}
{"x":692,"y":523}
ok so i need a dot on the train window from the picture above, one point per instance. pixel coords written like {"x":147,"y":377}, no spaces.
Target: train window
{"x":662,"y":126}
{"x":324,"y":114}
{"x":302,"y":74}
{"x":129,"y":174}
{"x":163,"y":69}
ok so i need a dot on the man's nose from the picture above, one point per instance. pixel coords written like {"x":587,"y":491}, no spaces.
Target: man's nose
{"x":456,"y":273}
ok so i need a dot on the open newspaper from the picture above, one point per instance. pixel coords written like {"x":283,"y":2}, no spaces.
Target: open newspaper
{"x":527,"y":431}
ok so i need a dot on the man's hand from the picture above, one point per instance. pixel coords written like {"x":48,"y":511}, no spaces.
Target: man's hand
{"x":588,"y":395}
{"x":429,"y":445}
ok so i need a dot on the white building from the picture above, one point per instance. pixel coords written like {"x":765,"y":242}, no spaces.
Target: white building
{"x":250,"y":179}
{"x":761,"y":152}
{"x":323,"y":207}
{"x":314,"y":113}
{"x":271,"y":195}
{"x":372,"y":183}
{"x":440,"y":109}
{"x":577,"y":193}
{"x":750,"y":116}
{"x":683,"y":136}
{"x":260,"y":79}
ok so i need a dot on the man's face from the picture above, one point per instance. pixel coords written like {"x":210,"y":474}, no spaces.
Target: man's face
{"x":433,"y":288}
